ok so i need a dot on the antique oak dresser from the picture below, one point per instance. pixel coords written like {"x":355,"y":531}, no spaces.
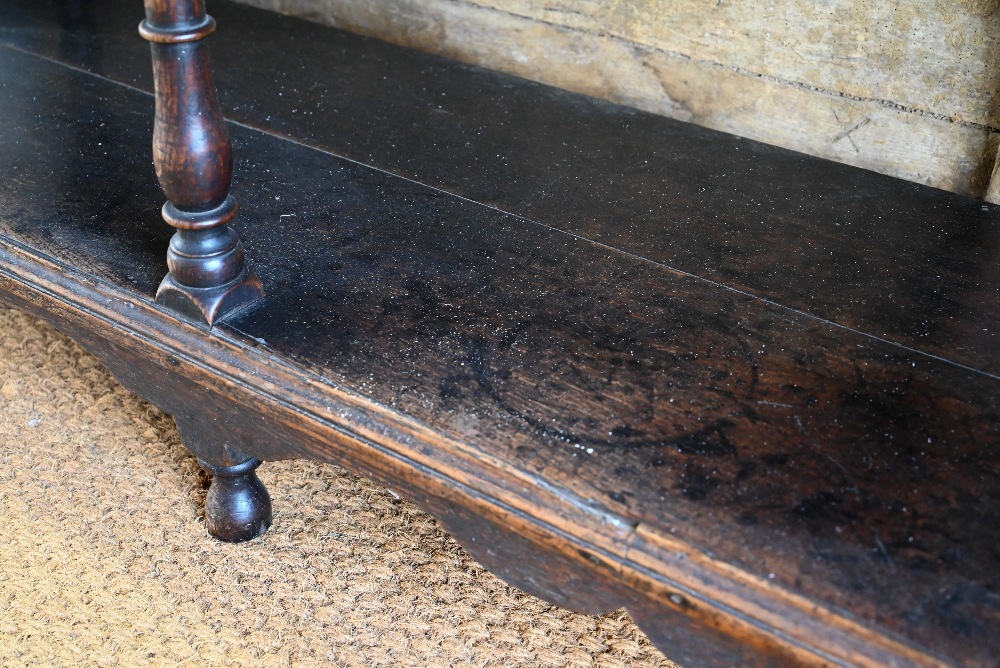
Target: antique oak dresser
{"x":747,"y":394}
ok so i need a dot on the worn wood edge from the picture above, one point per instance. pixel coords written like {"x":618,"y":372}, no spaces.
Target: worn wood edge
{"x":371,"y":439}
{"x":868,"y":133}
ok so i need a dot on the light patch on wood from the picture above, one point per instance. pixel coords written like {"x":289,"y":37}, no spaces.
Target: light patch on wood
{"x":906,"y":89}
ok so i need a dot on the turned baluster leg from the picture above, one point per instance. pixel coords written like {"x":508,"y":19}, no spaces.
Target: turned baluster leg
{"x":208,"y":278}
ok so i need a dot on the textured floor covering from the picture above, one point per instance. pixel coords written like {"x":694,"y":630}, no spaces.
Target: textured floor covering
{"x":105,"y":560}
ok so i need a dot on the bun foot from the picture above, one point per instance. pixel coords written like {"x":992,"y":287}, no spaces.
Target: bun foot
{"x":237,"y":507}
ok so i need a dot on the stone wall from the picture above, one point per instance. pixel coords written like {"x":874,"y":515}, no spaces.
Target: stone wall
{"x":904,"y":88}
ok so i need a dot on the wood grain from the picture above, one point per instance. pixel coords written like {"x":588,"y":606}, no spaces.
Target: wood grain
{"x":533,"y":534}
{"x":506,"y":143}
{"x":600,"y":428}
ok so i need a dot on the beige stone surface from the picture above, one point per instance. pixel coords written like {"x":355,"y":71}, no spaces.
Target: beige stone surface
{"x":930,"y":55}
{"x":907,"y":89}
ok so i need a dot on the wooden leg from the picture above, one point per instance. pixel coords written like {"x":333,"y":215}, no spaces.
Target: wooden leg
{"x":208,"y":278}
{"x":237,"y":507}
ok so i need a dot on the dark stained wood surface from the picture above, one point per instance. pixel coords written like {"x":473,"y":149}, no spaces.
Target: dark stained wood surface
{"x":731,"y":459}
{"x":221,"y":391}
{"x":894,"y":260}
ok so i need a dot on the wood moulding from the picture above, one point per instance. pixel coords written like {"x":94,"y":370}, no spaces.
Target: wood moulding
{"x":231,"y":400}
